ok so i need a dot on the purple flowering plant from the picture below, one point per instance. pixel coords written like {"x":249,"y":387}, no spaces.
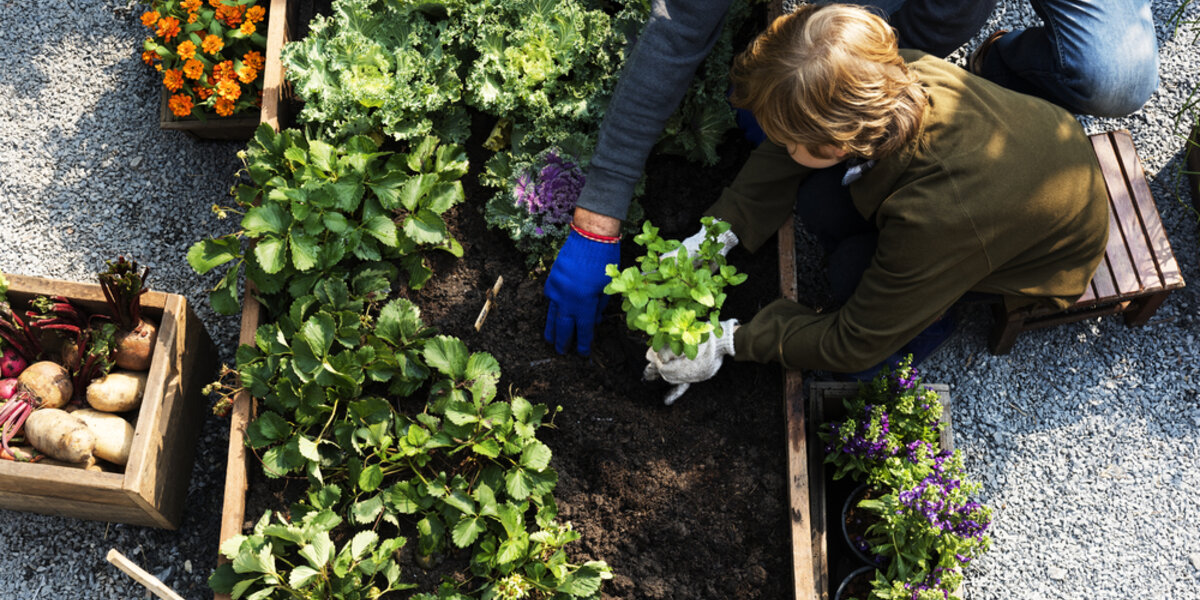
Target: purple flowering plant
{"x":927,"y":528}
{"x":536,"y":207}
{"x":883,"y":419}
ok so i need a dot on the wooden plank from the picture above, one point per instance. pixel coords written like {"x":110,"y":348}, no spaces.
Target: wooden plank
{"x":273,"y":79}
{"x":804,"y":573}
{"x":1121,"y":264}
{"x":1151,"y":223}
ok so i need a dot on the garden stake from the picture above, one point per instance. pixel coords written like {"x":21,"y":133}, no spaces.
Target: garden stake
{"x":487,"y":304}
{"x":152,"y":583}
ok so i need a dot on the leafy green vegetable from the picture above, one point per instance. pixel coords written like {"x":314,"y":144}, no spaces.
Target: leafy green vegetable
{"x":671,"y":299}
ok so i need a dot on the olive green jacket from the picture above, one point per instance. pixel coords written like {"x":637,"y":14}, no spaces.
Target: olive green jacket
{"x":998,"y":192}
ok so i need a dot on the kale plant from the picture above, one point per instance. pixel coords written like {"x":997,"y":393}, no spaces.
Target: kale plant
{"x":311,"y":207}
{"x":536,"y":210}
{"x":675,"y":299}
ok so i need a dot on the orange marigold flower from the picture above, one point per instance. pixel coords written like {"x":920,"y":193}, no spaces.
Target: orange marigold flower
{"x":231,"y":15}
{"x":191,"y":5}
{"x":229,"y":89}
{"x":180,"y":105}
{"x":255,"y":14}
{"x":216,"y":3}
{"x":193,"y":69}
{"x":186,"y":50}
{"x":224,"y":107}
{"x":158,"y":68}
{"x":168,"y":27}
{"x":222,"y":71}
{"x":247,"y":74}
{"x":202,"y":92}
{"x":192,"y":17}
{"x":149,"y":57}
{"x":254,"y":59}
{"x":247,"y":28}
{"x":173,"y":79}
{"x":212,"y":44}
{"x":150,"y":18}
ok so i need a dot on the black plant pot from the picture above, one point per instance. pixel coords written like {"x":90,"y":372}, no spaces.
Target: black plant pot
{"x":850,"y":513}
{"x":856,"y":585}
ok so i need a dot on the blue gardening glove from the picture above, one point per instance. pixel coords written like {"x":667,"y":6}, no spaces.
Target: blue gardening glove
{"x":575,"y":288}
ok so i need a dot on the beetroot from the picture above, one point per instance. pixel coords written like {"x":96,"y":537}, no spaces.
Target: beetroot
{"x":12,"y":363}
{"x":8,"y":387}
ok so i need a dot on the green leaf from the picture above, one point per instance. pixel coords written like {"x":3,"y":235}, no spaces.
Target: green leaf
{"x":335,"y":222}
{"x":367,"y":510}
{"x":304,"y":251}
{"x":208,"y":254}
{"x":425,"y":227}
{"x":319,"y":552}
{"x":518,"y":483}
{"x":302,"y":575}
{"x":467,"y":530}
{"x":322,"y":155}
{"x":308,"y":449}
{"x":489,"y":448}
{"x":370,"y":478}
{"x":271,"y":253}
{"x":267,"y":429}
{"x":535,"y":456}
{"x":448,"y":355}
{"x":224,"y":297}
{"x":266,"y":218}
{"x":362,"y":542}
{"x":382,"y":229}
{"x":461,"y":413}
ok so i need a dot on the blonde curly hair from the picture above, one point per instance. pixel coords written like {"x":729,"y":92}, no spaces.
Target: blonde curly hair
{"x":830,"y":75}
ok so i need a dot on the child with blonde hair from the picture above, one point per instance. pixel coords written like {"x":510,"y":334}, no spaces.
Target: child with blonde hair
{"x":922,"y":181}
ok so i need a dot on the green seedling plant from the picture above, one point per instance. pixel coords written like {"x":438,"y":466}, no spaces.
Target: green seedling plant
{"x":675,"y":299}
{"x":311,"y":208}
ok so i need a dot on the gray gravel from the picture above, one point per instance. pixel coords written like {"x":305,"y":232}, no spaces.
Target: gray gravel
{"x":1085,"y":436}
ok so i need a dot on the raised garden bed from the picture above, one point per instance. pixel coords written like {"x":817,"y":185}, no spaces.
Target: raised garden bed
{"x":152,"y":488}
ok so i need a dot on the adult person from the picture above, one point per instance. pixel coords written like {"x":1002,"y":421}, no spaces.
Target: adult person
{"x":679,"y":34}
{"x":954,"y":184}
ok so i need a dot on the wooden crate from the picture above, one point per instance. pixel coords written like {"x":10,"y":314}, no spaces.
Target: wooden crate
{"x":241,"y":128}
{"x":832,"y":559}
{"x":152,"y":489}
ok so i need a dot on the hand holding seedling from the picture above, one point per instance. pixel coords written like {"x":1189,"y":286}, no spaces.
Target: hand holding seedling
{"x":683,"y":371}
{"x":726,"y":237}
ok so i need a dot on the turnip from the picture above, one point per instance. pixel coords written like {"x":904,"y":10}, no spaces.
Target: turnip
{"x":61,"y":435}
{"x":123,"y":288}
{"x":12,"y":363}
{"x":43,"y":384}
{"x":114,"y":435}
{"x":118,"y":391}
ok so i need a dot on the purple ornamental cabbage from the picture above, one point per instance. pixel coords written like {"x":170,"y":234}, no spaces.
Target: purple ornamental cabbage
{"x":551,"y":195}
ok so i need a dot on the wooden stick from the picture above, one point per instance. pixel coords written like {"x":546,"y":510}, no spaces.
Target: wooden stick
{"x":151,"y":582}
{"x":487,"y":304}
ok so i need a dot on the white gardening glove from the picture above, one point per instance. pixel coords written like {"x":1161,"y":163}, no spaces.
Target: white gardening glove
{"x":683,"y":371}
{"x":728,"y":240}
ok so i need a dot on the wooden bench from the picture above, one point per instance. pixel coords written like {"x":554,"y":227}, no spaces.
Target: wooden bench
{"x":1138,"y":270}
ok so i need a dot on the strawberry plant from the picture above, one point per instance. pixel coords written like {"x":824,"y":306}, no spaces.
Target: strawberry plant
{"x":311,"y":206}
{"x":675,"y":299}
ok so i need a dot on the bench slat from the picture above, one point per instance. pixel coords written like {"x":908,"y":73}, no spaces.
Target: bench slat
{"x":1167,"y":270}
{"x":1126,"y":253}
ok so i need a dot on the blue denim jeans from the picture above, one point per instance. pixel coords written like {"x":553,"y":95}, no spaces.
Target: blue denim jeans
{"x":1097,"y":57}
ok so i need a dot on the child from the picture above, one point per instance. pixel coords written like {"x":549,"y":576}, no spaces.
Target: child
{"x":923,"y":181}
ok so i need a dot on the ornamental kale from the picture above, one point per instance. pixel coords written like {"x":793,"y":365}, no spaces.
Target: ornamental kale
{"x":536,"y":210}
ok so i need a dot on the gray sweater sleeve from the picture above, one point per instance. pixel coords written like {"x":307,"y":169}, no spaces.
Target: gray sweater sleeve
{"x":676,"y":39}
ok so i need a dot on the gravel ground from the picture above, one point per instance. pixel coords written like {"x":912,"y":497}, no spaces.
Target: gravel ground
{"x":1085,"y":436}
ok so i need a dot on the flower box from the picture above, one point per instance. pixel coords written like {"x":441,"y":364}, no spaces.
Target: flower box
{"x":152,"y":489}
{"x":832,"y":558}
{"x":240,"y":127}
